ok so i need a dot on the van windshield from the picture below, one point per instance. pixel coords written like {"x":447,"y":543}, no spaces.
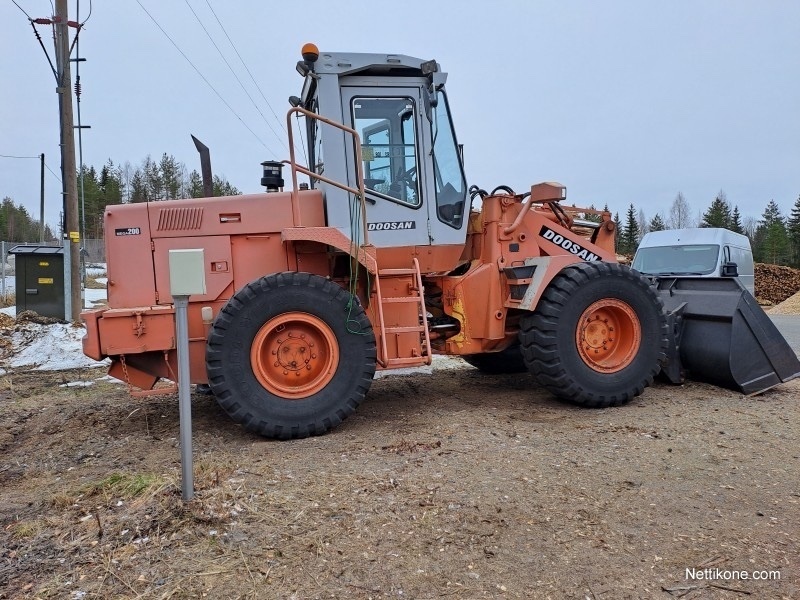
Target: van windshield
{"x":697,"y":259}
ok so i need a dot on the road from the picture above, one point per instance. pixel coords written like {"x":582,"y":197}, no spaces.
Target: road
{"x":789,"y":326}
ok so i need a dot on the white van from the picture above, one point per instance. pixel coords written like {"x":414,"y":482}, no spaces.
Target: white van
{"x":699,"y":252}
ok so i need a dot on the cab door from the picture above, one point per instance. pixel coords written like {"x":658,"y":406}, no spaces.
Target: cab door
{"x":389,"y":122}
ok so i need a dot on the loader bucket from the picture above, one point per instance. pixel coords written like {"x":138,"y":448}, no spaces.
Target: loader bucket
{"x":722,"y":336}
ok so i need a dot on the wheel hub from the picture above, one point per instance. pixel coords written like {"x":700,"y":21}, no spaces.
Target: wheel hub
{"x":294,"y":355}
{"x":608,"y":335}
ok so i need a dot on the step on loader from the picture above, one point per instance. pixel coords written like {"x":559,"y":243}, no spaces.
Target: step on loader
{"x":386,"y":257}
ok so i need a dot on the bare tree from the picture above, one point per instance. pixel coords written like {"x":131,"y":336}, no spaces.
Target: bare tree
{"x":641,"y":220}
{"x":680,"y":213}
{"x":750,"y":225}
{"x":125,"y":177}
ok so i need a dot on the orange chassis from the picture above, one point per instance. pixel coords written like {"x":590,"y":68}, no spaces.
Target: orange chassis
{"x":514,"y":248}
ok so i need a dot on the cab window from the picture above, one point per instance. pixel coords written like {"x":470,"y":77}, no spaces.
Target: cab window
{"x":450,"y":184}
{"x":387,"y":127}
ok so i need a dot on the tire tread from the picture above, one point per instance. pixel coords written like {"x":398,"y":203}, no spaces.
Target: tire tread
{"x":539,"y":336}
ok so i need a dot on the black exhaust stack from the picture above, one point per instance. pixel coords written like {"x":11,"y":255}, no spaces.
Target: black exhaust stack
{"x":205,"y":167}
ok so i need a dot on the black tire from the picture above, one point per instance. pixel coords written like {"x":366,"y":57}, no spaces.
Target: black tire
{"x":549,"y":335}
{"x":499,"y":363}
{"x":232,"y":371}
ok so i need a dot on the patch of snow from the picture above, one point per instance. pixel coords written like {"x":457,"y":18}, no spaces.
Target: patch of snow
{"x":50,"y":348}
{"x":110,"y":378}
{"x":77,"y":384}
{"x":94,"y":297}
{"x":95,"y":269}
{"x":11,"y":311}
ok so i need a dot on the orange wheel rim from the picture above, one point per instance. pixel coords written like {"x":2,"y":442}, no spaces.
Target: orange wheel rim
{"x":608,"y":335}
{"x":294,"y":355}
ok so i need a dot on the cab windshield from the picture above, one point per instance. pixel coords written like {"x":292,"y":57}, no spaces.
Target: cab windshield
{"x":696,"y":259}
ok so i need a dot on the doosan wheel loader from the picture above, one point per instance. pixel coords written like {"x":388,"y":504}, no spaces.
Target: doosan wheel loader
{"x":381,"y":262}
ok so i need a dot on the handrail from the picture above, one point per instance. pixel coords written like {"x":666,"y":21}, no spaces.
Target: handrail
{"x":528,"y":204}
{"x":525,"y":208}
{"x":423,"y":310}
{"x":295,"y":167}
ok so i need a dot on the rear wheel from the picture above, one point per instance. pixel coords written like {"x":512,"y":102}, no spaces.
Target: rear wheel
{"x":288,"y":357}
{"x":598,"y":336}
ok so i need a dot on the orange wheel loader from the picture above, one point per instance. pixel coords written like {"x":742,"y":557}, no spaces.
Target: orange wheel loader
{"x":380,"y":261}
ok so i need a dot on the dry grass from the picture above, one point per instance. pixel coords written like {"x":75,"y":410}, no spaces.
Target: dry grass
{"x":8,"y":299}
{"x":93,"y":284}
{"x":456,"y":486}
{"x":125,"y":486}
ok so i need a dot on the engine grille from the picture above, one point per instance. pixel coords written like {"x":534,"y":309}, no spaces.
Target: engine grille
{"x":179,"y":219}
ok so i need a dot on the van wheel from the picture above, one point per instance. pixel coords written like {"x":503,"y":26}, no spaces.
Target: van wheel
{"x":289,"y":357}
{"x":598,"y":336}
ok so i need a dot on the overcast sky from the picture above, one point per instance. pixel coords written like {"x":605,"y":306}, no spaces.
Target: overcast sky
{"x":621,"y":101}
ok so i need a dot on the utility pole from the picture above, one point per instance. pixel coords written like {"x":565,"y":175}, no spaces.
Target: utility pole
{"x":72,"y":232}
{"x":41,"y":204}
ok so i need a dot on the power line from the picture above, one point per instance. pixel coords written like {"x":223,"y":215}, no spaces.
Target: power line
{"x":23,"y":10}
{"x":37,"y":158}
{"x":87,"y":16}
{"x":208,"y":83}
{"x":244,"y":64}
{"x":46,"y":166}
{"x":225,"y":60}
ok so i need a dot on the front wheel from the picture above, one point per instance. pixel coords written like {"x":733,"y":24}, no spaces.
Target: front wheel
{"x":598,"y":335}
{"x":291,"y":355}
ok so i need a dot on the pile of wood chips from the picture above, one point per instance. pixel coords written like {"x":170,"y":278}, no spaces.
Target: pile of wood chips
{"x":775,"y":283}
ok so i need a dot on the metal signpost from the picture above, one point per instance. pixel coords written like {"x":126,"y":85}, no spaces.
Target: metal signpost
{"x":186,"y":277}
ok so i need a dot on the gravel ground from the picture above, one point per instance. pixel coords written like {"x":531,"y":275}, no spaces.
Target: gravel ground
{"x":446,"y":485}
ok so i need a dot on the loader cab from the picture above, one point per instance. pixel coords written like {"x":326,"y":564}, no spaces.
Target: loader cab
{"x":416,"y":191}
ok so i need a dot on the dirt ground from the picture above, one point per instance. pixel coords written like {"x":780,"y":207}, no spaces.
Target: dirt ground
{"x":452,"y":485}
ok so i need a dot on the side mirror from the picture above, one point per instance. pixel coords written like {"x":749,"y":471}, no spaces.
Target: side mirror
{"x":729,"y":269}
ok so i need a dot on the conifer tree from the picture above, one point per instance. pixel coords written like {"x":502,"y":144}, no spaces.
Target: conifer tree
{"x":771,"y":243}
{"x":735,"y":224}
{"x":591,"y":216}
{"x":718,"y":214}
{"x":629,"y":237}
{"x":657,"y":223}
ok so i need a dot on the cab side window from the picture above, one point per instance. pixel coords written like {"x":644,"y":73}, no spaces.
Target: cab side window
{"x":451,"y":186}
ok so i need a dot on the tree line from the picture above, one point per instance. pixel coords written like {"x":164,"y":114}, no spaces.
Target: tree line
{"x":775,"y":237}
{"x":112,"y":183}
{"x":17,"y":224}
{"x":165,"y":179}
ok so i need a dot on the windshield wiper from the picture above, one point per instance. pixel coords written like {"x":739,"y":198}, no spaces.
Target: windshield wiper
{"x":674,"y":273}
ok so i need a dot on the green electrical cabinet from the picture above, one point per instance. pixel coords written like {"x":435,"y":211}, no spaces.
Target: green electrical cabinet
{"x":40,"y":279}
